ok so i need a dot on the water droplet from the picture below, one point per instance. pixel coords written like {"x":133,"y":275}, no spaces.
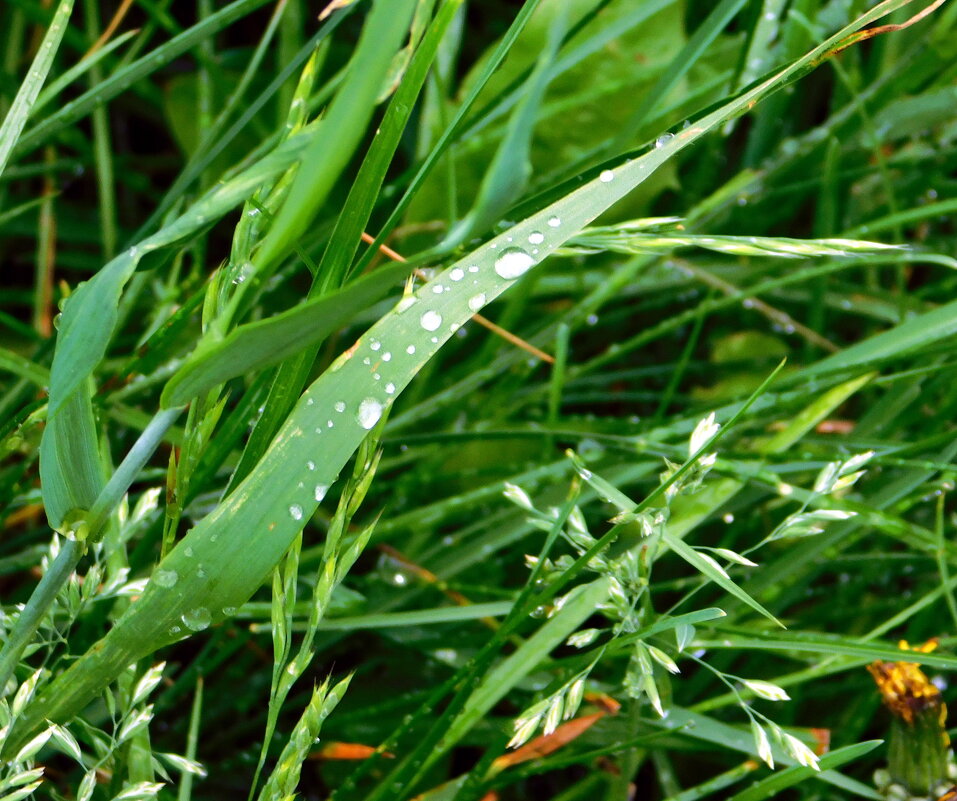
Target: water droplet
{"x":438,"y":289}
{"x":457,"y":274}
{"x":295,"y":511}
{"x":404,"y":304}
{"x":536,"y":238}
{"x":606,"y":176}
{"x":400,"y":579}
{"x":340,"y":406}
{"x":188,"y":551}
{"x":390,"y":388}
{"x":387,"y":357}
{"x":311,"y":465}
{"x":664,"y":139}
{"x":476,"y":302}
{"x":473,"y":268}
{"x":165,"y":578}
{"x":554,"y":222}
{"x":374,"y":344}
{"x":370,"y":411}
{"x":321,"y":490}
{"x":229,"y":611}
{"x":431,"y":320}
{"x":197,"y":619}
{"x":410,"y":350}
{"x":513,"y":263}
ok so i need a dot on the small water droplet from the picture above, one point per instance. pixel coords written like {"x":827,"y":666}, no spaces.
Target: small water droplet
{"x":370,"y":411}
{"x":605,"y":176}
{"x":664,"y":139}
{"x":410,"y":350}
{"x":390,"y":388}
{"x":404,"y":304}
{"x":374,"y":344}
{"x":473,"y":268}
{"x":387,"y":357}
{"x":197,"y":619}
{"x":339,"y":406}
{"x":438,"y":289}
{"x":310,"y":465}
{"x":165,"y":578}
{"x":457,"y":274}
{"x":188,"y":551}
{"x":536,"y":238}
{"x":321,"y":490}
{"x":431,"y":320}
{"x":513,"y":263}
{"x":295,"y":511}
{"x":554,"y":221}
{"x":229,"y":611}
{"x":476,"y":302}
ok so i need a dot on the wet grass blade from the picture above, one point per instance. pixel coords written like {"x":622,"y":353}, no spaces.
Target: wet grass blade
{"x":27,"y":93}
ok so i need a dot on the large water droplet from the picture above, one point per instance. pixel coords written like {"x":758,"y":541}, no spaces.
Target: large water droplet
{"x":431,"y":320}
{"x":197,"y":619}
{"x":513,"y":263}
{"x":370,"y":411}
{"x":165,"y":578}
{"x":295,"y":511}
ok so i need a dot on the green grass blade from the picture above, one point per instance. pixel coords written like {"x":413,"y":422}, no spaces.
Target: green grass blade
{"x":789,"y":777}
{"x":75,"y":110}
{"x":258,"y":345}
{"x":580,"y":605}
{"x":508,"y":174}
{"x":693,"y":558}
{"x":27,"y":94}
{"x":340,"y":131}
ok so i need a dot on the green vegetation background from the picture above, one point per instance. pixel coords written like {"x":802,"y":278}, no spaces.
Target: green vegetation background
{"x":263,"y":482}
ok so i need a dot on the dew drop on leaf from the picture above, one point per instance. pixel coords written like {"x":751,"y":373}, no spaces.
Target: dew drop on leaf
{"x":370,"y":411}
{"x":430,"y":320}
{"x":197,"y":619}
{"x":513,"y":263}
{"x":165,"y":578}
